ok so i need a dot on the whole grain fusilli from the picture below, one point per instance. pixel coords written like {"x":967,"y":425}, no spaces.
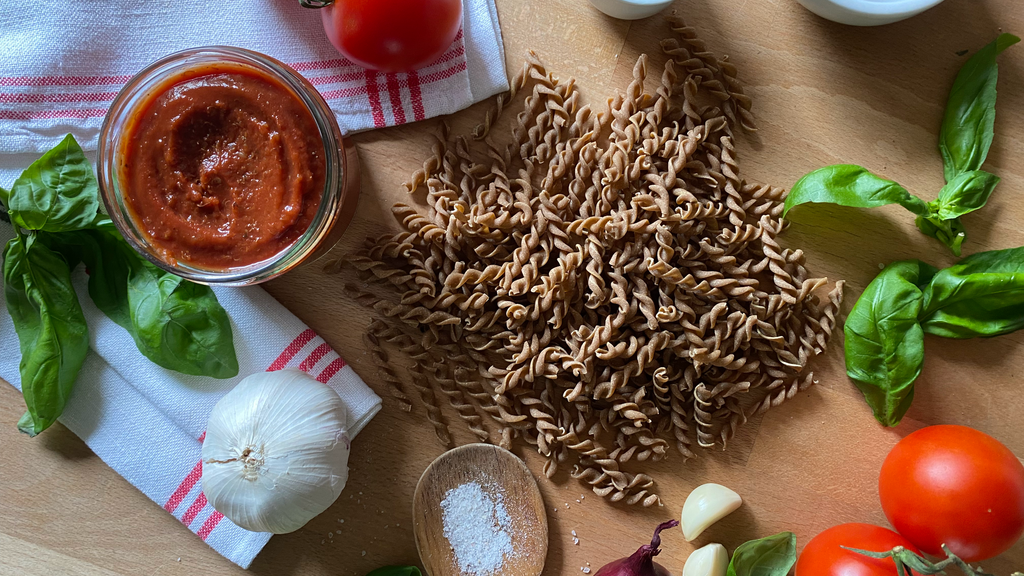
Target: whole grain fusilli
{"x":606,"y":286}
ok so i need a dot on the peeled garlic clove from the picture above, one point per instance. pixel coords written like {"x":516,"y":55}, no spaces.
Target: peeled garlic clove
{"x":707,"y":504}
{"x":711,"y":560}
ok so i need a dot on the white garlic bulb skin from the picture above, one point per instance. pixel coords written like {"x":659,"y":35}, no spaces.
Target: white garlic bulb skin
{"x":276,"y":451}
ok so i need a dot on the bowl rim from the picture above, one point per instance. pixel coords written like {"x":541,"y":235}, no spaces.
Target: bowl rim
{"x":885,"y":7}
{"x":141,"y":85}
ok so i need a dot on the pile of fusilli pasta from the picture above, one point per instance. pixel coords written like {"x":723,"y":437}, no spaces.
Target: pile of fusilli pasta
{"x":604,"y":285}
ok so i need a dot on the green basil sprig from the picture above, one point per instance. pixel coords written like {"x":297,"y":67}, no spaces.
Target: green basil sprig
{"x":970,"y":115}
{"x":57,"y":193}
{"x":54,"y":208}
{"x":884,"y":340}
{"x":768,"y":556}
{"x":981,"y":296}
{"x":176,"y":324}
{"x":964,"y":141}
{"x":853,"y":186}
{"x":51,"y":329}
{"x":4,"y":199}
{"x":179,"y":324}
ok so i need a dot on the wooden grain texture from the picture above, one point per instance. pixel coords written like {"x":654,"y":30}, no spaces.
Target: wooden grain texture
{"x":500,"y":473}
{"x":823,"y":93}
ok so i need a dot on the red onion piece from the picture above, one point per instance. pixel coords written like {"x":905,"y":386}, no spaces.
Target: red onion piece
{"x":641,"y":563}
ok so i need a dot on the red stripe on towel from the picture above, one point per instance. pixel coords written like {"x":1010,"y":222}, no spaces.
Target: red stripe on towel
{"x":194,"y":509}
{"x":62,"y":98}
{"x":315,"y":356}
{"x":416,"y":96}
{"x":51,"y":114}
{"x":292,"y":349}
{"x":184,"y":488}
{"x":332,"y":369}
{"x":320,"y":64}
{"x":395,"y":92}
{"x":373,"y":95}
{"x":209,"y":525}
{"x":444,"y":74}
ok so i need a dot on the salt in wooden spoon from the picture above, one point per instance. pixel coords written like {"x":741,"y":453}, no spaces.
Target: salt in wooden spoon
{"x":503,"y":477}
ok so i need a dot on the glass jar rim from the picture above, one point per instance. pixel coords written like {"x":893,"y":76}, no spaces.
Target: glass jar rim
{"x":141,"y":87}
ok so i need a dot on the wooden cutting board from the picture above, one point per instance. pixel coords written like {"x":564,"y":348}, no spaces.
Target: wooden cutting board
{"x":823,"y":93}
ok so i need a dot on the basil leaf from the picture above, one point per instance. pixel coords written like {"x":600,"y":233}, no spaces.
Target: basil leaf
{"x":396,"y":571}
{"x":769,"y":556}
{"x":949,"y":232}
{"x":180,"y":325}
{"x":51,"y":329}
{"x":966,"y":133}
{"x":885,"y":342}
{"x":5,"y":196}
{"x":57,"y":193}
{"x":110,"y":264}
{"x":851,"y":185}
{"x":109,"y":261}
{"x":982,"y":295}
{"x":965,"y":193}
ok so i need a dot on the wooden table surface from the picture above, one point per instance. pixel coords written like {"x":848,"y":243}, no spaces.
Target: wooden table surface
{"x":823,"y":93}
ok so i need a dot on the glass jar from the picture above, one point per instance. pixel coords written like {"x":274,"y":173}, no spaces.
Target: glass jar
{"x":341,"y":182}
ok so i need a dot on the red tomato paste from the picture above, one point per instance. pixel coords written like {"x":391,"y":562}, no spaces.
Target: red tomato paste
{"x":223,"y":167}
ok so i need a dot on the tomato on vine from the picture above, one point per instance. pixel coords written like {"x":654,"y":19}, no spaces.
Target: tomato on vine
{"x":390,"y":35}
{"x":957,"y":486}
{"x":824,"y":554}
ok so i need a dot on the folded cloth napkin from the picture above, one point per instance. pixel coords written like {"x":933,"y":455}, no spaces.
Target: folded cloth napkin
{"x":148,"y":423}
{"x":63,"y":64}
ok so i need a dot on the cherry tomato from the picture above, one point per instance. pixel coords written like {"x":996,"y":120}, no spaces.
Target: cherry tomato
{"x":823,"y":555}
{"x":954,"y":485}
{"x":392,"y":35}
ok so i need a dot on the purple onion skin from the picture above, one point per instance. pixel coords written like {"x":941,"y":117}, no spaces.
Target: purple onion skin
{"x":641,"y":563}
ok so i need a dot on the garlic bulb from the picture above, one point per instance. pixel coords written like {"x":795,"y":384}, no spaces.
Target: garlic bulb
{"x":276,"y":451}
{"x":711,"y":560}
{"x":707,"y":504}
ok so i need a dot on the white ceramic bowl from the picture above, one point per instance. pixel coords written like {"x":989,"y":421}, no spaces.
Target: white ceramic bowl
{"x":867,"y":12}
{"x":630,"y":9}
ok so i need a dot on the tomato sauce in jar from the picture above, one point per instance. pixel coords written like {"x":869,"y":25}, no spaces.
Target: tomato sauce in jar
{"x":222,"y":166}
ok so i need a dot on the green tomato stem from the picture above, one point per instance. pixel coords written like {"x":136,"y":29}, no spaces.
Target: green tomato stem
{"x":906,"y":561}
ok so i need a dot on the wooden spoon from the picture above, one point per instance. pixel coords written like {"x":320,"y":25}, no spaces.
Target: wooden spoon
{"x":501,"y":475}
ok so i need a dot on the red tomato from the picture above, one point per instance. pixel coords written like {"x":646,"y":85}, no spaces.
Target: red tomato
{"x":954,"y":485}
{"x":823,"y":556}
{"x":392,"y":35}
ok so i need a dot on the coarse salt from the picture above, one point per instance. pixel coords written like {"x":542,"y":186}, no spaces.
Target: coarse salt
{"x":477,"y":526}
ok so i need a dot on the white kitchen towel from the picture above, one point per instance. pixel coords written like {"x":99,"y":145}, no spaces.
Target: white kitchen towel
{"x":148,"y":423}
{"x":61,"y":65}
